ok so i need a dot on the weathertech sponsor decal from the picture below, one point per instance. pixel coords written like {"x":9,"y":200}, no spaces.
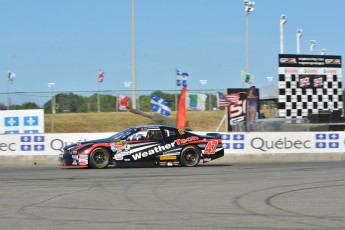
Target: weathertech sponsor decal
{"x":152,"y":151}
{"x":188,"y":139}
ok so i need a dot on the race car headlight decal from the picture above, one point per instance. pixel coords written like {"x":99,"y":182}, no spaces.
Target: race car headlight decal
{"x":83,"y":149}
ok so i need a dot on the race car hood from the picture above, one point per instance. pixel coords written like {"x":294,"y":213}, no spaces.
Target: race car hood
{"x":84,"y":143}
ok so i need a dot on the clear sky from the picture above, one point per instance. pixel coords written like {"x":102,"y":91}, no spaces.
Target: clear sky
{"x":68,"y":41}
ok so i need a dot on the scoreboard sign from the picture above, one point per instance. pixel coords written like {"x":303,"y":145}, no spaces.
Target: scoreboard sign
{"x":308,"y":84}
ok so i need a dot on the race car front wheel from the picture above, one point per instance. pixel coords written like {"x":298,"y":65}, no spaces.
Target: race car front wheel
{"x":190,"y":156}
{"x":99,"y":158}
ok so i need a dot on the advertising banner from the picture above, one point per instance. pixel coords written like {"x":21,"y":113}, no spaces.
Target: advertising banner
{"x":283,"y":142}
{"x":238,"y":107}
{"x":22,"y":121}
{"x":43,"y":144}
{"x":256,"y":143}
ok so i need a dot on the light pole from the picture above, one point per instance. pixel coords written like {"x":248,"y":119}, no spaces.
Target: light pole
{"x":299,"y":35}
{"x":203,"y":83}
{"x":9,"y":82}
{"x":134,"y":102}
{"x":283,"y":20}
{"x":249,"y":7}
{"x":312,"y":45}
{"x":51,"y":85}
{"x":98,"y":99}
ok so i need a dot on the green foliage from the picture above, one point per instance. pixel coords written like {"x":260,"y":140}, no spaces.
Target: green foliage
{"x":72,"y":103}
{"x":145,"y":103}
{"x":2,"y":107}
{"x":28,"y":105}
{"x":108,"y":103}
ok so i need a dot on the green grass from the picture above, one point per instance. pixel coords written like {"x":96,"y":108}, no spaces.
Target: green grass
{"x":117,"y":121}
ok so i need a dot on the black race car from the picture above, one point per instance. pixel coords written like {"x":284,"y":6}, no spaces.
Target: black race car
{"x":156,"y":144}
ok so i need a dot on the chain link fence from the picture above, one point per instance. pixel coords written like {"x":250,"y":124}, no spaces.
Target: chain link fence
{"x":281,"y":125}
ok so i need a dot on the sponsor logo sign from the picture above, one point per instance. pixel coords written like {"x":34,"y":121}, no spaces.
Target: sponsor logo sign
{"x":32,"y":143}
{"x":21,"y":121}
{"x":234,"y":143}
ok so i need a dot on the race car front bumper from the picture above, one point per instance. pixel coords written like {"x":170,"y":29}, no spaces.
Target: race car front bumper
{"x":69,"y":160}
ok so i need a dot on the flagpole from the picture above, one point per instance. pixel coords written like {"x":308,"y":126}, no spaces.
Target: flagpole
{"x":98,"y":99}
{"x":175,"y":99}
{"x":8,"y":95}
{"x":175,"y":80}
{"x":134,"y":100}
{"x":9,"y":82}
{"x":117,"y":102}
{"x":51,"y":85}
{"x":226,"y":118}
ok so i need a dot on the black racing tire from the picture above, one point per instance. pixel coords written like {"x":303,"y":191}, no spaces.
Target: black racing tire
{"x":99,"y":158}
{"x":190,"y":156}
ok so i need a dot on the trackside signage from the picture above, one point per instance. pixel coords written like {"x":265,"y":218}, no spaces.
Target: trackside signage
{"x":42,"y":144}
{"x":234,"y":143}
{"x":22,"y":121}
{"x":284,"y":142}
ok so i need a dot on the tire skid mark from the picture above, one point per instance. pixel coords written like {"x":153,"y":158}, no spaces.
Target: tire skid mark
{"x":269,"y":202}
{"x":237,"y":202}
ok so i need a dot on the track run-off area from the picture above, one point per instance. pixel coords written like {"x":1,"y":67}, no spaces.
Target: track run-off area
{"x":211,"y":196}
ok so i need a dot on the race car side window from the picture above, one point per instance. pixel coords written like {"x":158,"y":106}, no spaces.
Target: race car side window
{"x":155,"y":135}
{"x":169,"y":132}
{"x":141,"y":135}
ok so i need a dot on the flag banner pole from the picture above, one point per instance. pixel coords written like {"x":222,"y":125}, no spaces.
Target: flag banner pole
{"x":251,"y":108}
{"x":181,"y":119}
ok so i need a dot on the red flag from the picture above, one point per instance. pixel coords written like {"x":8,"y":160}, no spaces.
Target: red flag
{"x":100,"y":76}
{"x":122,"y":102}
{"x":181,"y":119}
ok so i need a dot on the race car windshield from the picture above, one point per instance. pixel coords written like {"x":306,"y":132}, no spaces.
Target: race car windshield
{"x":123,"y":134}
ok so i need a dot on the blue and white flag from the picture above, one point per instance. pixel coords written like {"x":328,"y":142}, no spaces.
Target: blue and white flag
{"x":30,"y":120}
{"x":159,"y":105}
{"x":181,"y":78}
{"x":11,"y":121}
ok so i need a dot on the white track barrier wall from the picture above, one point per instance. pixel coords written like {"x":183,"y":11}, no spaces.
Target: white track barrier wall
{"x":239,"y":147}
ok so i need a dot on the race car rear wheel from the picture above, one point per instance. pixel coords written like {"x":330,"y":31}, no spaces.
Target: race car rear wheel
{"x":99,"y":158}
{"x":190,"y":156}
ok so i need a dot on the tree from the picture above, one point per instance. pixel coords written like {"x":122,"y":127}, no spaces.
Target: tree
{"x":28,"y":105}
{"x":107,"y":103}
{"x":145,"y":103}
{"x":67,"y":102}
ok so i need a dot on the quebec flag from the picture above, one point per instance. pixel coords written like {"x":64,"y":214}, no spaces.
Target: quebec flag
{"x":159,"y":105}
{"x":181,"y":78}
{"x":11,"y":121}
{"x":21,"y":121}
{"x":30,"y":120}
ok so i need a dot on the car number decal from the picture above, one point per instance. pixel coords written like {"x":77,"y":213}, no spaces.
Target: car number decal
{"x":211,"y":147}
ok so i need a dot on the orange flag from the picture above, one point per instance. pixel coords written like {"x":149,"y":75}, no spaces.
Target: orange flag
{"x":181,"y":119}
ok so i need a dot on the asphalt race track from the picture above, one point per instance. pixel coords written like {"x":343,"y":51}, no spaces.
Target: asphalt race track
{"x":239,"y":196}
